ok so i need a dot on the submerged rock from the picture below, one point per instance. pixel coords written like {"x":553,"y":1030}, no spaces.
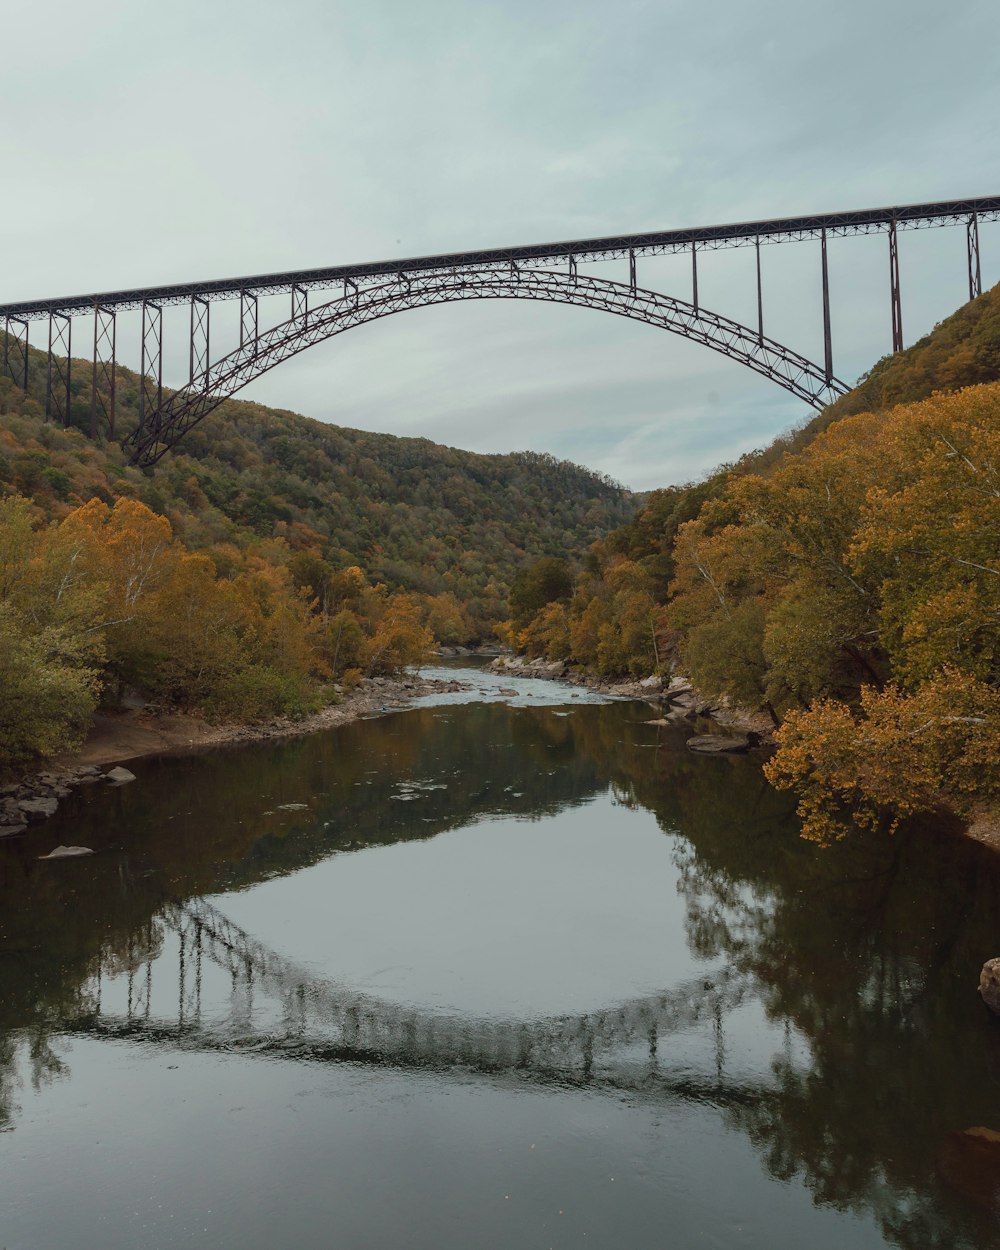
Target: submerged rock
{"x":970,"y":1163}
{"x":715,"y":744}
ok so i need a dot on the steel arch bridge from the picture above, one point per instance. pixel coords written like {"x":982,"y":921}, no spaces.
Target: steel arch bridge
{"x":547,"y":272}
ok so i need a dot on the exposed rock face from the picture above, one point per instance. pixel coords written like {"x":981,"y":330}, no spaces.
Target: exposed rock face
{"x":989,"y":985}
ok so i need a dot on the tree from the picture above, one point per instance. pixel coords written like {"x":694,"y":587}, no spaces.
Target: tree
{"x":540,"y":583}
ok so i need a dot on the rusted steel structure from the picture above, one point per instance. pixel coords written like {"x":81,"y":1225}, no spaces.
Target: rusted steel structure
{"x":354,"y":294}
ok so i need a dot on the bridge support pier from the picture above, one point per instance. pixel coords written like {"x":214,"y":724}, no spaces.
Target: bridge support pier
{"x":897,"y":308}
{"x":151,"y":364}
{"x":198,"y":347}
{"x":972,"y":246}
{"x":14,"y":362}
{"x":694,"y":277}
{"x":102,"y":384}
{"x":248,"y":317}
{"x":827,"y":333}
{"x":58,"y":368}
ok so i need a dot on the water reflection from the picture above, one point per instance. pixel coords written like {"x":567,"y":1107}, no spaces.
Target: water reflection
{"x":830,"y":1020}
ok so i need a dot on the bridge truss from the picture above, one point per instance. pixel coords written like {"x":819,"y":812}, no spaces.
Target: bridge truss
{"x":549,"y":272}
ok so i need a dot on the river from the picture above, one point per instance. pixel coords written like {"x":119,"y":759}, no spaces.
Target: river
{"x":504,"y":971}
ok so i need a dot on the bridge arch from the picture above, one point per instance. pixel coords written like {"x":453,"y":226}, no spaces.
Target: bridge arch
{"x":166,"y":425}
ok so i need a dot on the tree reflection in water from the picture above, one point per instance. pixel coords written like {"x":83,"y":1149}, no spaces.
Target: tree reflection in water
{"x":868,"y":951}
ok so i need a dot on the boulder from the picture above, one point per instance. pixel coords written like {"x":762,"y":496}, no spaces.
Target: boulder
{"x":715,"y":744}
{"x":11,"y":831}
{"x":67,"y":852}
{"x":34,"y":810}
{"x":989,"y":985}
{"x":507,"y":692}
{"x":547,"y":668}
{"x":651,"y":683}
{"x":119,"y":776}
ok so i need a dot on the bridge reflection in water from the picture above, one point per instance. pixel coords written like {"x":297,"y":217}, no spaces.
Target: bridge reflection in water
{"x":278,"y":1008}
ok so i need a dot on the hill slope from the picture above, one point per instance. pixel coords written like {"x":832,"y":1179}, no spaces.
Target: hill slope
{"x":413,"y":514}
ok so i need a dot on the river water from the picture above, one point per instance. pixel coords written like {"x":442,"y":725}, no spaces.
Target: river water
{"x":496,"y":971}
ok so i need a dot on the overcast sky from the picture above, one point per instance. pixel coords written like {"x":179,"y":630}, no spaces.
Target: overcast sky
{"x":157,"y":142}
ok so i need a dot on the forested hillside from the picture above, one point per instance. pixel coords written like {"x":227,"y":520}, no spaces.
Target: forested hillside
{"x":846,"y":579}
{"x":261,"y":570}
{"x":411,"y":513}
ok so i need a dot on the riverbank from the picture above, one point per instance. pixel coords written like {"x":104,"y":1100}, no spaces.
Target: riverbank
{"x":118,"y":737}
{"x":683,"y":704}
{"x":679,"y":699}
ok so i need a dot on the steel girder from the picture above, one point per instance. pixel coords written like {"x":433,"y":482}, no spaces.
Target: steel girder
{"x":577,"y":251}
{"x":178,"y":413}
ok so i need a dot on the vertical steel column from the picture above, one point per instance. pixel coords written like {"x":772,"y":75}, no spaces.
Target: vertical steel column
{"x":572,"y":268}
{"x":760,"y":296}
{"x":827,"y":336}
{"x":631,"y":269}
{"x":972,"y":245}
{"x":151,"y":366}
{"x":694,"y":276}
{"x":248,"y":317}
{"x":57,"y":374}
{"x":102,"y":384}
{"x":897,"y":308}
{"x":349,"y":282}
{"x":198,"y":345}
{"x":300,"y":304}
{"x":15,"y":362}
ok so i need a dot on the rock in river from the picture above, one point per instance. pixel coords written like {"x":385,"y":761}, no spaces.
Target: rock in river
{"x":119,"y":776}
{"x":715,"y":744}
{"x":38,"y":809}
{"x":67,"y":852}
{"x":989,"y":985}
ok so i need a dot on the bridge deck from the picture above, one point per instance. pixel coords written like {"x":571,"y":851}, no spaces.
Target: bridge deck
{"x":741,"y":234}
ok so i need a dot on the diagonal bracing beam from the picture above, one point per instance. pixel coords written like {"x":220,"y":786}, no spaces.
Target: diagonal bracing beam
{"x":14,"y":356}
{"x":58,"y":368}
{"x":103,"y":379}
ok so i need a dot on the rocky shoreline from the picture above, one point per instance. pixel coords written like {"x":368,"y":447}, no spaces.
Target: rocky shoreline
{"x":34,"y":797}
{"x":681,"y":703}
